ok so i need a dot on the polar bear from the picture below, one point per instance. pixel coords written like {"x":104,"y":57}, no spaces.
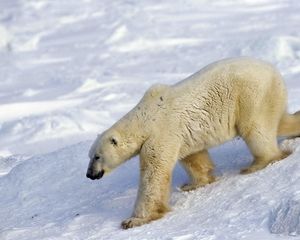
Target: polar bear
{"x":231,"y":97}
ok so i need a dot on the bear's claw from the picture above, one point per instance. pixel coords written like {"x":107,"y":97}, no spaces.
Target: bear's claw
{"x":189,"y":187}
{"x":194,"y":186}
{"x":133,"y":222}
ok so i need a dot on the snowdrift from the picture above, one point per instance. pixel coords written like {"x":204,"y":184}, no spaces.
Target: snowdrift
{"x":69,"y":69}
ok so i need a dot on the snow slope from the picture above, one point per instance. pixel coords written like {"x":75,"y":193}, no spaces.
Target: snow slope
{"x":70,"y":69}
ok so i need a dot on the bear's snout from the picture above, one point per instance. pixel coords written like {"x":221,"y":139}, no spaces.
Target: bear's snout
{"x":93,"y":176}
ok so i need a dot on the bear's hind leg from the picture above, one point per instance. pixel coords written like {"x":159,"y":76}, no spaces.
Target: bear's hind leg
{"x":264,"y":147}
{"x":199,"y":167}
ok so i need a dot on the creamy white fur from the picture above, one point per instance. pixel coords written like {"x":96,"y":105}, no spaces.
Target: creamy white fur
{"x":239,"y":96}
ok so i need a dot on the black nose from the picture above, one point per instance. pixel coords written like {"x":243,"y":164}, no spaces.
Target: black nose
{"x":94,"y":176}
{"x":89,"y":175}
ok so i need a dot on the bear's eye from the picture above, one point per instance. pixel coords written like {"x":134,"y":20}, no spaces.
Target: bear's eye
{"x":113,"y":141}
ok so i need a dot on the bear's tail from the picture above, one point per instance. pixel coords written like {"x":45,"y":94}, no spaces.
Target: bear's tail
{"x":289,"y":125}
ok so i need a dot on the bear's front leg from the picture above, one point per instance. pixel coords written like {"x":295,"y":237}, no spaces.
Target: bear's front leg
{"x":154,"y":189}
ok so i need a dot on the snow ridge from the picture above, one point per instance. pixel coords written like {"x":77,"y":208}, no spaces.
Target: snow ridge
{"x":70,"y":69}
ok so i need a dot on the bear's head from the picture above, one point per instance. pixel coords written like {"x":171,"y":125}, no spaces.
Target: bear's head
{"x":108,"y":151}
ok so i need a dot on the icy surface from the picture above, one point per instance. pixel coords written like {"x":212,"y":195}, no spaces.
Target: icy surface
{"x":285,"y":219}
{"x":70,"y":68}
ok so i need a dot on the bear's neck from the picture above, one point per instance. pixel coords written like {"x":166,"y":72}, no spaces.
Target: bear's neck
{"x":134,"y":129}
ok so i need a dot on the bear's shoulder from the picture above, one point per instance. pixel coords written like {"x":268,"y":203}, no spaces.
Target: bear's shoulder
{"x":156,"y":90}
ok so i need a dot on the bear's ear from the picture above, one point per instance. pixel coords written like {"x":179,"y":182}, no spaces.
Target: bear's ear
{"x":113,"y":141}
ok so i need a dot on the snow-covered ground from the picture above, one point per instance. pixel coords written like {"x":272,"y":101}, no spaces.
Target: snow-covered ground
{"x":70,"y":68}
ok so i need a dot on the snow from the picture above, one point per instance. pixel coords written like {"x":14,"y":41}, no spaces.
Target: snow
{"x":70,"y":69}
{"x":5,"y":38}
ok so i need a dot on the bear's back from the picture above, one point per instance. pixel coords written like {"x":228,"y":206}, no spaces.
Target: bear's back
{"x":230,"y":69}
